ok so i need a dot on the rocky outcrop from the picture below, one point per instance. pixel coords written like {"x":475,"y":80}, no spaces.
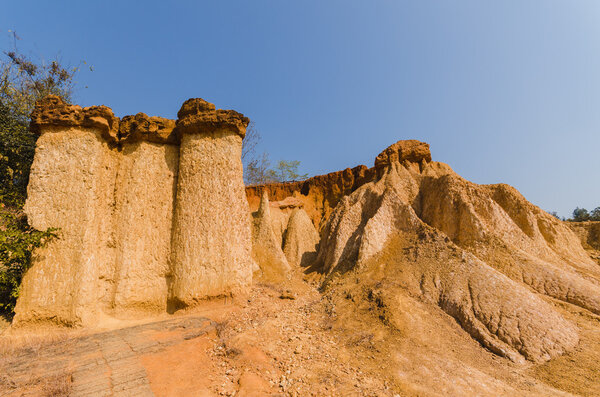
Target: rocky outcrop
{"x":142,"y":127}
{"x":407,"y":152}
{"x":112,"y":188}
{"x":319,"y":195}
{"x":51,"y":112}
{"x":198,"y":115}
{"x":512,"y":235}
{"x":300,"y":240}
{"x":473,"y":251}
{"x":266,"y":246}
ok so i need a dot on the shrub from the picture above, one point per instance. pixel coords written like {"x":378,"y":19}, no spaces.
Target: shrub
{"x":17,"y":242}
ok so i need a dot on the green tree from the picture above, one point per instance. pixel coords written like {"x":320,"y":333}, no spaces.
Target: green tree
{"x":286,"y":171}
{"x":17,"y":243}
{"x":580,"y":215}
{"x":595,"y":214}
{"x":257,"y":167}
{"x":257,"y":172}
{"x":555,"y":214}
{"x":22,"y":83}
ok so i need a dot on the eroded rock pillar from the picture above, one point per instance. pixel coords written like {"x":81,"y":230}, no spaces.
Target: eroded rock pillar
{"x":266,"y":247}
{"x":144,"y":200}
{"x":211,"y":244}
{"x":70,"y":188}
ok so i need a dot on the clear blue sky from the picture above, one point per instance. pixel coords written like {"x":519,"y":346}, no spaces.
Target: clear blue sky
{"x":505,"y":91}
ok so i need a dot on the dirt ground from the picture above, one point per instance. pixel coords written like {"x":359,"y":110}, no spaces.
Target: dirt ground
{"x":289,"y":340}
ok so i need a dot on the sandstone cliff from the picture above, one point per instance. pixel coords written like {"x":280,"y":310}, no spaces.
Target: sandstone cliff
{"x":319,"y":195}
{"x":142,"y":205}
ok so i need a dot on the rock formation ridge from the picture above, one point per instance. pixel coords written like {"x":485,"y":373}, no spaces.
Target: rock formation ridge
{"x":480,"y":253}
{"x":319,"y":195}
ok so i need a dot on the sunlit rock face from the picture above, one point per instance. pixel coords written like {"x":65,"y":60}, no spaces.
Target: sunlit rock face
{"x":480,"y":253}
{"x":267,"y":250}
{"x":211,"y":245}
{"x":142,"y":205}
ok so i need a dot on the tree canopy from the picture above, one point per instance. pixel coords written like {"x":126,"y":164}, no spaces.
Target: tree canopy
{"x":582,"y":215}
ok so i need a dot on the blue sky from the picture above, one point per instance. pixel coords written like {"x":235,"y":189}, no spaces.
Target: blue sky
{"x":505,"y":91}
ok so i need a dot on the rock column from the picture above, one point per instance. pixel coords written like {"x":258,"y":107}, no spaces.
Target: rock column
{"x":70,"y":188}
{"x":144,"y":200}
{"x":211,"y":243}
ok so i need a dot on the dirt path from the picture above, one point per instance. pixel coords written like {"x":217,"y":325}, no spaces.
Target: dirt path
{"x":102,"y":364}
{"x":274,"y":342}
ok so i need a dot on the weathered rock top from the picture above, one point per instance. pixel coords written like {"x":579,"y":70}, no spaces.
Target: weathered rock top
{"x":53,"y":111}
{"x":197,"y":115}
{"x":411,"y":150}
{"x":151,"y":129}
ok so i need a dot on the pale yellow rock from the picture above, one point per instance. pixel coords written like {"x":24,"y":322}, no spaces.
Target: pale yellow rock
{"x":301,"y":239}
{"x":279,"y":221}
{"x":71,"y":187}
{"x":266,"y":247}
{"x":110,"y":188}
{"x":211,"y":243}
{"x":145,"y":193}
{"x":468,"y":249}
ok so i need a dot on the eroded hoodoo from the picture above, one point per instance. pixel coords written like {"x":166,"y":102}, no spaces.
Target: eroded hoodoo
{"x":142,"y":206}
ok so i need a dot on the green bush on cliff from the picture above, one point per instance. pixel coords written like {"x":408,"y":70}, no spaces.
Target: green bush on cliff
{"x":582,"y":215}
{"x":17,"y":243}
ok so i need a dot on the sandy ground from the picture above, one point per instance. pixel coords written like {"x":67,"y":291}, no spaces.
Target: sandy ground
{"x":289,"y":340}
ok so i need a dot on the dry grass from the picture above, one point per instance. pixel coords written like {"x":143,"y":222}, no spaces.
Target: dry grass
{"x":57,"y":385}
{"x":31,"y":343}
{"x":13,"y":342}
{"x":52,"y":386}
